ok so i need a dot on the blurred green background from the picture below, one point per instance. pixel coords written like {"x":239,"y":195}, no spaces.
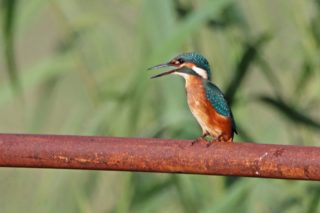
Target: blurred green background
{"x":79,"y":67}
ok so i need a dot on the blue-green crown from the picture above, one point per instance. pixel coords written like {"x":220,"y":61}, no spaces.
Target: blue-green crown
{"x":197,"y":60}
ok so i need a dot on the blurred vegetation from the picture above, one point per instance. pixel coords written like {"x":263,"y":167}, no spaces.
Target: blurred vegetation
{"x":79,"y":67}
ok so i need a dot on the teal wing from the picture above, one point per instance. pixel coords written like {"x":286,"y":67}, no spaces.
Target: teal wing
{"x":216,"y":98}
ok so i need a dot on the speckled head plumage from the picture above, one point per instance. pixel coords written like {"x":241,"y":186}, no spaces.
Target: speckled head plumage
{"x":190,"y":63}
{"x":197,"y":60}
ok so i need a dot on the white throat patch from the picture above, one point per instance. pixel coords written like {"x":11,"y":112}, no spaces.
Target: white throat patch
{"x":200,"y":72}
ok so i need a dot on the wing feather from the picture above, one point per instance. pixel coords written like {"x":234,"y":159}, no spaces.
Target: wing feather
{"x":220,"y":104}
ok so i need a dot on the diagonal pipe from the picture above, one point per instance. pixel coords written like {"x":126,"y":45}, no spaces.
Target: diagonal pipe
{"x":160,"y":155}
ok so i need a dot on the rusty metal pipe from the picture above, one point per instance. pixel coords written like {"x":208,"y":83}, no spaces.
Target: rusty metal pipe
{"x":159,"y":155}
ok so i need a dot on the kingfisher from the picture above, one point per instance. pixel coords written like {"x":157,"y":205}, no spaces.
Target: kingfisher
{"x":206,"y":101}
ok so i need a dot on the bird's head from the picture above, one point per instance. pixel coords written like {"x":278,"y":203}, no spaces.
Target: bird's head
{"x":187,"y":64}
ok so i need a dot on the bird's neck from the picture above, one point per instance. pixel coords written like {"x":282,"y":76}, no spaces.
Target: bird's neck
{"x":192,"y":81}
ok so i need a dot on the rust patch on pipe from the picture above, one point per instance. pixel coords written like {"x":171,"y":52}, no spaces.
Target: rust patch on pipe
{"x":278,"y":152}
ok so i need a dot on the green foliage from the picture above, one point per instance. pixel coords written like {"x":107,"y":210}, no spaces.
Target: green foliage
{"x":81,"y":67}
{"x":9,"y":10}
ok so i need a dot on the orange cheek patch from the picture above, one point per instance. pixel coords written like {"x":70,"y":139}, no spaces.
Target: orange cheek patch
{"x":189,"y":65}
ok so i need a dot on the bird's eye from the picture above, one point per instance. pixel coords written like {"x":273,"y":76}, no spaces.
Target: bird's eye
{"x":181,"y":61}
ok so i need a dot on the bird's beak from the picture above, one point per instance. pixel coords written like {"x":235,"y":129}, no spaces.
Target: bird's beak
{"x":164,"y":73}
{"x":161,"y":66}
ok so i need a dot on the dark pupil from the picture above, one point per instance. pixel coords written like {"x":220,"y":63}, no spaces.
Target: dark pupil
{"x":180,"y":61}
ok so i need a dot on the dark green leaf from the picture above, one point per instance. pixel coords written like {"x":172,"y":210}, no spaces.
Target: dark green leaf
{"x":290,"y":111}
{"x":9,"y":7}
{"x":249,"y":55}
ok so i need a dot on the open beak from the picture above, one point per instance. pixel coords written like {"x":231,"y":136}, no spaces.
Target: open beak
{"x":161,"y":66}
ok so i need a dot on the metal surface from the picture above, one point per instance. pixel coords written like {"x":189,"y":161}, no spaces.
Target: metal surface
{"x":158,"y":155}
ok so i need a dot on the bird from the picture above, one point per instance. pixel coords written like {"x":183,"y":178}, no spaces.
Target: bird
{"x":205,"y":100}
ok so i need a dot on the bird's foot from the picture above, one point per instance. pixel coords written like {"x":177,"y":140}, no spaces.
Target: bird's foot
{"x":212,"y":140}
{"x":196,"y":140}
{"x":218,"y":139}
{"x":201,"y":138}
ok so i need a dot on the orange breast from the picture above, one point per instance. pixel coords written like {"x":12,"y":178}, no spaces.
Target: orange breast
{"x":210,"y":120}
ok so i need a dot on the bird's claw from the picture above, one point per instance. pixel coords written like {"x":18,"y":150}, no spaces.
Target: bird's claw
{"x":201,"y":138}
{"x":209,"y":144}
{"x":196,"y":141}
{"x":212,"y":141}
